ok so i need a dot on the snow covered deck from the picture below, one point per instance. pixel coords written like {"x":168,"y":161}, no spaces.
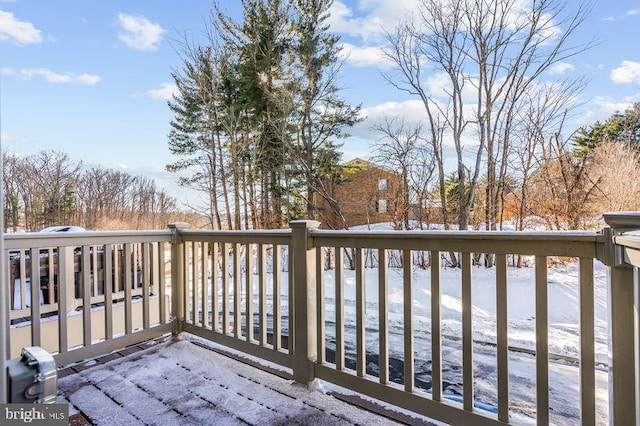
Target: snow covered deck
{"x":171,"y":382}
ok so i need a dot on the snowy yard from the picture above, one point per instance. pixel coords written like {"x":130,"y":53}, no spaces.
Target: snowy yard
{"x":563,"y":296}
{"x":563,"y":332}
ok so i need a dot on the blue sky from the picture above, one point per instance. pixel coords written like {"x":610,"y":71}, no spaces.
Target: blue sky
{"x":91,"y":78}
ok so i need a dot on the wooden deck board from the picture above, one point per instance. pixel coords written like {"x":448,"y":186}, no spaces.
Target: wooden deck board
{"x":183,"y":382}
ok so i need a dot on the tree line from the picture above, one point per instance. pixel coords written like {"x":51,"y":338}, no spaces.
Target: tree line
{"x":567,"y":183}
{"x":49,"y":189}
{"x":258,"y":116}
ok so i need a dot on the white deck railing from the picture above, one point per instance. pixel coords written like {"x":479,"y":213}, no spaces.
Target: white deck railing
{"x":265,"y":293}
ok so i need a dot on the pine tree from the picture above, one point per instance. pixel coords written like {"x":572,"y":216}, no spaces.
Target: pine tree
{"x":322,"y":115}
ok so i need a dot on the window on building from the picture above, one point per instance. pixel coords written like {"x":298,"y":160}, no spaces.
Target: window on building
{"x":381,"y":206}
{"x":382,"y":184}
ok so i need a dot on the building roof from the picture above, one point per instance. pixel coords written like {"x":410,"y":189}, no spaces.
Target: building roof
{"x":365,"y":164}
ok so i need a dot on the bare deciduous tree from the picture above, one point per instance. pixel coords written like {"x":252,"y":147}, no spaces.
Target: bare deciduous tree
{"x":491,"y":54}
{"x":402,"y":148}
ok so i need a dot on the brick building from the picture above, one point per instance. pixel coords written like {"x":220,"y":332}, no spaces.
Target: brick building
{"x":367,"y":193}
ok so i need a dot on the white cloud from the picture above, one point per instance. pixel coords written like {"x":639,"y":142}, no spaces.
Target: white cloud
{"x":631,"y":12}
{"x":165,"y":92}
{"x":603,"y":107}
{"x":561,"y":68}
{"x":627,"y":72}
{"x":51,"y":76}
{"x":18,"y":32}
{"x":368,"y":19}
{"x":411,"y":111}
{"x":6,"y":137}
{"x":139,"y":33}
{"x":363,"y":56}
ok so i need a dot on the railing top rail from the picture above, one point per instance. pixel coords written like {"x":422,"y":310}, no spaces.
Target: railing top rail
{"x":630,"y":243}
{"x":559,"y":243}
{"x":63,"y":239}
{"x":588,"y":236}
{"x":629,"y":239}
{"x":274,"y":236}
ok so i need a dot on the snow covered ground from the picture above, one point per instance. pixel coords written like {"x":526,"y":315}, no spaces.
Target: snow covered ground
{"x":563,"y":333}
{"x":563,"y":308}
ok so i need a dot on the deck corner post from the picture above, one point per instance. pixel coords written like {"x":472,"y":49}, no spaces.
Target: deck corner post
{"x":623,"y":322}
{"x":177,"y":276}
{"x":303,"y":337}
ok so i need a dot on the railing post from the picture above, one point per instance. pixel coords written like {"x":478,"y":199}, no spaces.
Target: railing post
{"x":177,"y":276}
{"x":303,"y":336}
{"x":623,"y":323}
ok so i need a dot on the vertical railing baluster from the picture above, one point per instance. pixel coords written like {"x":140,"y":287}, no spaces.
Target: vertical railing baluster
{"x":162,"y":285}
{"x":407,"y":291}
{"x":237,"y":292}
{"x":23,"y":279}
{"x":436,"y":330}
{"x":108,"y":290}
{"x":134,"y":267}
{"x":186,"y":280}
{"x":277,"y":320}
{"x":225,"y":288}
{"x":339,"y":306}
{"x":262,"y":293}
{"x":117,"y":269}
{"x":146,"y":283}
{"x":467,"y":333}
{"x":153,"y":268}
{"x":35,"y":296}
{"x":195,"y":318}
{"x":204,"y":283}
{"x":95,"y":288}
{"x":502,"y":349}
{"x":215,"y":273}
{"x":86,"y":295}
{"x":128,"y":272}
{"x":248,"y":283}
{"x":383,"y":298}
{"x":65,"y":286}
{"x":321,"y":345}
{"x":51,"y":259}
{"x":587,"y":341}
{"x":290,"y":295}
{"x":361,"y":348}
{"x":542,"y":342}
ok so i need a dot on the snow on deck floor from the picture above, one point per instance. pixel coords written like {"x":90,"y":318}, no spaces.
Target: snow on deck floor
{"x":179,"y":382}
